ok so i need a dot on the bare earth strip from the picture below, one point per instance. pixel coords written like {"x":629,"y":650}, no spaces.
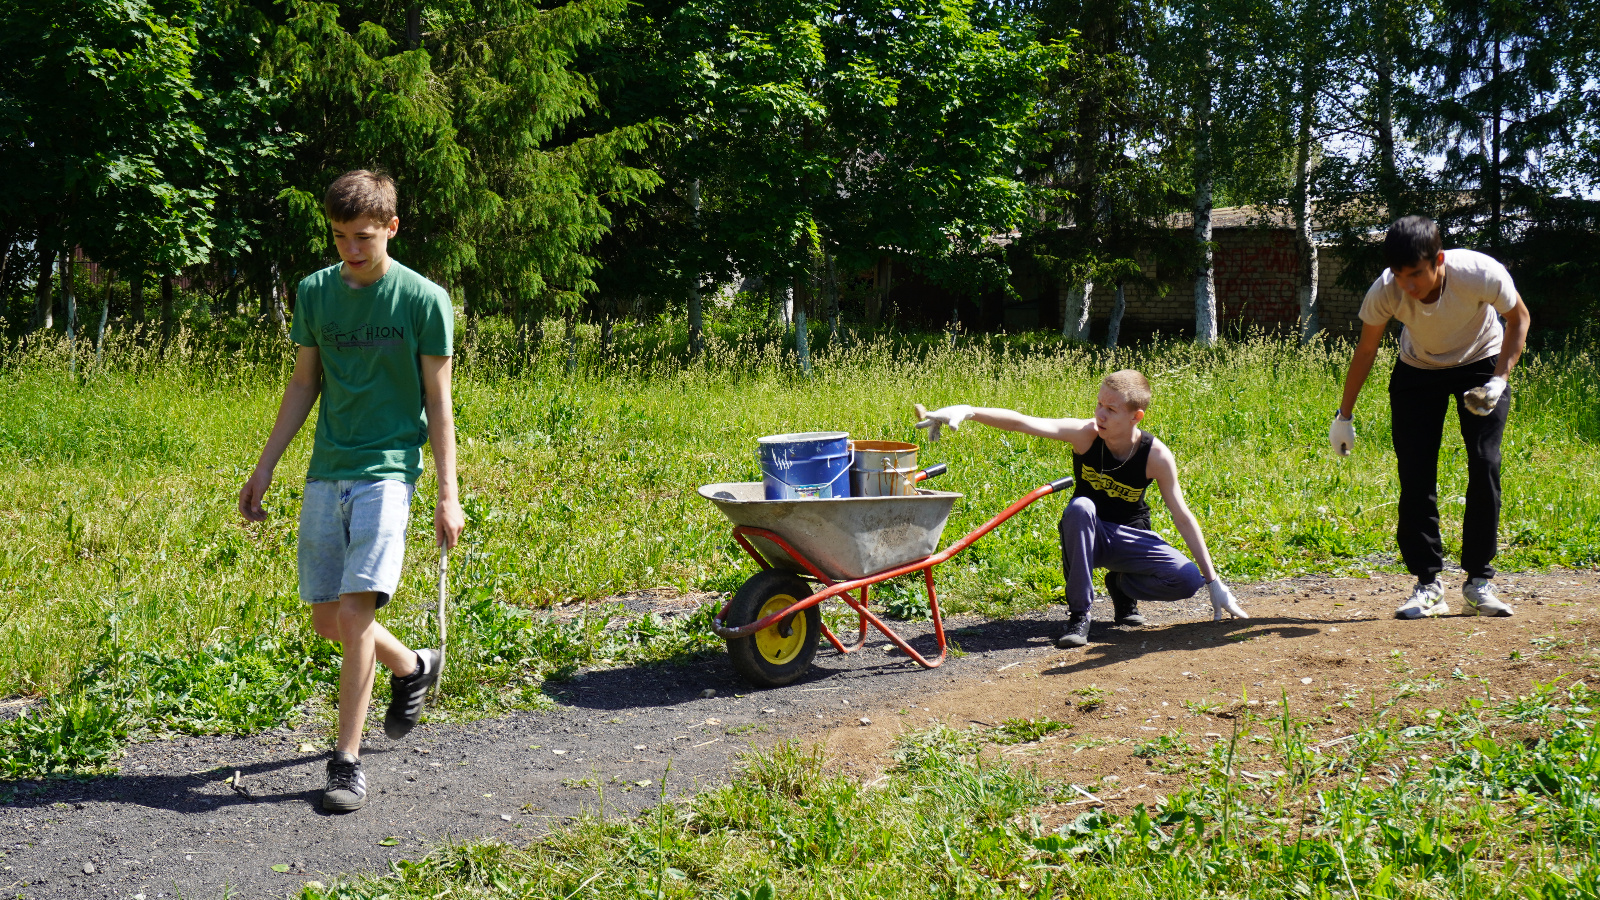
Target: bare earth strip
{"x":170,"y":826}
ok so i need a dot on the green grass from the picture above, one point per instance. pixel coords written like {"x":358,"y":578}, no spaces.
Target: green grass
{"x":1485,"y":801}
{"x":118,"y":487}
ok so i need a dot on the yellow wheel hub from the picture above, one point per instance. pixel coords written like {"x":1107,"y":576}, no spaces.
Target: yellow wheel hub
{"x":774,"y":647}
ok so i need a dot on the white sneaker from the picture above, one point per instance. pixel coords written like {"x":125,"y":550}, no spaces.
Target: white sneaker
{"x":1425,"y":600}
{"x":1481,"y":599}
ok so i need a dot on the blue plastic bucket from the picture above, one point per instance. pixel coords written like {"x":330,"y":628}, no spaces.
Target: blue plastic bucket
{"x":811,"y":465}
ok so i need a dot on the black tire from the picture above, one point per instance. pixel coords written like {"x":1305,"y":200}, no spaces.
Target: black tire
{"x":770,"y":658}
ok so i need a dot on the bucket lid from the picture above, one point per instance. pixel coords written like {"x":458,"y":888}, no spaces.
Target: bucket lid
{"x":803,"y":436}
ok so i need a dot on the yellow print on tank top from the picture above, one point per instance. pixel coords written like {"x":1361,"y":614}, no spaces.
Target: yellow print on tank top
{"x":1111,"y":486}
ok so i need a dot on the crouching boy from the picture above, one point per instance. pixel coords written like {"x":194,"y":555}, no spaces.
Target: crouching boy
{"x":1107,"y":523}
{"x":374,"y":342}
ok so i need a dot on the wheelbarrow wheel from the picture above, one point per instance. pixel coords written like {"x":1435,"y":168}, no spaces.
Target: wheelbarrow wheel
{"x":777,"y":655}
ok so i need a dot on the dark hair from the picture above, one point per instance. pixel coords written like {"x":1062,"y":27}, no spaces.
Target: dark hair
{"x":360,"y":195}
{"x":1410,"y":241}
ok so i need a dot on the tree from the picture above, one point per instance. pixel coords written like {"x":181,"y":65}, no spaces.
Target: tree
{"x":99,"y":136}
{"x":820,"y":136}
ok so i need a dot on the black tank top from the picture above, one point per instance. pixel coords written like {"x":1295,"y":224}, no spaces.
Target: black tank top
{"x":1117,"y":489}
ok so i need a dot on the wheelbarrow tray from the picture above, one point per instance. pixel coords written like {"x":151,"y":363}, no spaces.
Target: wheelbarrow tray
{"x":845,"y":538}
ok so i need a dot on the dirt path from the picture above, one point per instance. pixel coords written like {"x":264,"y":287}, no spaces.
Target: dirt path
{"x":170,"y":826}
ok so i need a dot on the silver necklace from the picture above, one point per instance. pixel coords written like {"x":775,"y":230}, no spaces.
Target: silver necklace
{"x":1105,"y":449}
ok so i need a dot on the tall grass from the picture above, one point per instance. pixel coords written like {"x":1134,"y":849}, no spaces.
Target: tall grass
{"x":1479,"y":802}
{"x":118,"y":484}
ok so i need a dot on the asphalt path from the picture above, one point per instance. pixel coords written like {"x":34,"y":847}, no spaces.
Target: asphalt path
{"x":171,"y":825}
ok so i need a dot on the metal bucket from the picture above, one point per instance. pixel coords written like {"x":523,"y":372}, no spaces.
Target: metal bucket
{"x":883,"y":469}
{"x":810,"y":465}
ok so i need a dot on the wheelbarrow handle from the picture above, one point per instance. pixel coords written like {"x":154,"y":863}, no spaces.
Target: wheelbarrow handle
{"x":933,"y":471}
{"x":1060,"y":484}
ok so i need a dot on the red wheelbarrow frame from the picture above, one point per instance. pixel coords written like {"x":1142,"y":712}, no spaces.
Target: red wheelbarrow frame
{"x":845,"y":589}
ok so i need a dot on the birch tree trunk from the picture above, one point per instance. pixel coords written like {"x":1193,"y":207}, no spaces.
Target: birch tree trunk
{"x":1309,"y":319}
{"x":1205,"y":287}
{"x":696,"y":316}
{"x":1114,"y":326}
{"x":1389,"y":172}
{"x":1080,"y":329}
{"x":69,"y":310}
{"x":105,"y":314}
{"x":279,"y":302}
{"x":43,"y":291}
{"x":1492,"y":176}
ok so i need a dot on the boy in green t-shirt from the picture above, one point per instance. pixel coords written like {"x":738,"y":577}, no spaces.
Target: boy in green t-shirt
{"x":374,"y":342}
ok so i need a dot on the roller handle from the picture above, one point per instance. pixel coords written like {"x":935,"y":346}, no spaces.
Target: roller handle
{"x":933,"y":471}
{"x":1060,"y":484}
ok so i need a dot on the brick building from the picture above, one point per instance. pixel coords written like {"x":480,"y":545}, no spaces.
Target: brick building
{"x":1257,"y":273}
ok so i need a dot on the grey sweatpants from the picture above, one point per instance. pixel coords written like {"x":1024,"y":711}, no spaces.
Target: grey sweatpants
{"x":1151,"y":569}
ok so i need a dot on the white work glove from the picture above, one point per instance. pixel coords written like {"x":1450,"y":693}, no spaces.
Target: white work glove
{"x":1342,"y":435}
{"x":1481,"y":401}
{"x":1223,"y":601}
{"x":949,"y":415}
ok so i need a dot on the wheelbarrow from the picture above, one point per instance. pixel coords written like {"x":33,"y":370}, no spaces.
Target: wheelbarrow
{"x":773,"y":623}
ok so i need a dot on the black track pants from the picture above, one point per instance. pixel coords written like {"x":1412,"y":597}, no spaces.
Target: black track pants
{"x":1417,"y":404}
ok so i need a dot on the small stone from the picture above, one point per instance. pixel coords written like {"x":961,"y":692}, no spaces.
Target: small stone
{"x":708,"y":693}
{"x":1213,"y":736}
{"x":769,"y":711}
{"x":505,"y":817}
{"x":1305,"y":681}
{"x":1111,"y":779}
{"x":638,"y":746}
{"x":713,"y":721}
{"x":88,"y":868}
{"x":559,"y":752}
{"x":865,"y":720}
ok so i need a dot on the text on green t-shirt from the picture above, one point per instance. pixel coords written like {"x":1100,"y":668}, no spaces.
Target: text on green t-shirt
{"x":371,"y":423}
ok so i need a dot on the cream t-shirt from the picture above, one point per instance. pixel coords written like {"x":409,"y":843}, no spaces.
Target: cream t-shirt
{"x":1462,"y":326}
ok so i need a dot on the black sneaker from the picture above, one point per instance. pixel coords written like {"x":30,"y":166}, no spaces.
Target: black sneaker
{"x":1077,"y":633}
{"x":405,"y":695}
{"x":1127,"y":608}
{"x":347,"y":785}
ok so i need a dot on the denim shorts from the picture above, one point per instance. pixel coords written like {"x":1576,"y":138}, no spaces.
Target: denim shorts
{"x":352,"y":538}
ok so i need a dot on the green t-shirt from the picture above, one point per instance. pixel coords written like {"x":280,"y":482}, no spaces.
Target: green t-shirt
{"x":371,"y":424}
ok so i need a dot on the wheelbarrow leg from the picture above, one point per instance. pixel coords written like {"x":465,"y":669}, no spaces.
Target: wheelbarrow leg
{"x":861,"y":627}
{"x":933,"y":604}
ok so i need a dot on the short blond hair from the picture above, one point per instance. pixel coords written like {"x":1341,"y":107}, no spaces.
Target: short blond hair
{"x":359,"y":195}
{"x":1132,"y":385}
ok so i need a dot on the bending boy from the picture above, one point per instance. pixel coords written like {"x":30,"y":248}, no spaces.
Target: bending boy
{"x":1107,"y":523}
{"x":1452,"y":347}
{"x":374,"y":341}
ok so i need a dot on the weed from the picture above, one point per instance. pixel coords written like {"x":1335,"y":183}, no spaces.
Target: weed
{"x":1091,"y":697}
{"x":1022,"y":731}
{"x":1166,"y":745}
{"x":904,"y":598}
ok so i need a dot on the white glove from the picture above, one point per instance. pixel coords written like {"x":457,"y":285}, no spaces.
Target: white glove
{"x":1342,"y":435}
{"x":949,"y":415}
{"x":1223,"y":601}
{"x":1481,"y":401}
